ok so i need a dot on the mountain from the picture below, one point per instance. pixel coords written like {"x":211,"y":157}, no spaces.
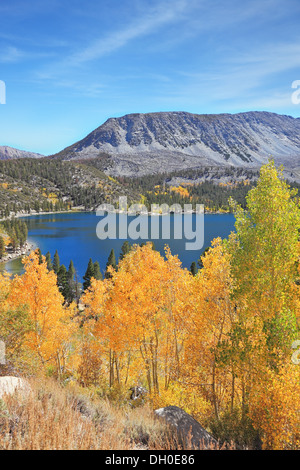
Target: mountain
{"x":140,"y":144}
{"x":9,"y":153}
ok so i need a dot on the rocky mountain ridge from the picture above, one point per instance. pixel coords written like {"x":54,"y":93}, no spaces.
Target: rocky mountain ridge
{"x":170,"y":141}
{"x":10,"y":153}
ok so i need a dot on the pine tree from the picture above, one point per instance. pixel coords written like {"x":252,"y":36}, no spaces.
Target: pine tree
{"x":97,"y":271}
{"x":2,"y":247}
{"x":62,"y":281}
{"x":56,"y":262}
{"x":49,"y":261}
{"x":71,"y":283}
{"x":194,"y":268}
{"x":111,"y":262}
{"x":124,"y":249}
{"x":71,"y":271}
{"x":13,"y":239}
{"x":88,"y":275}
{"x":40,"y":255}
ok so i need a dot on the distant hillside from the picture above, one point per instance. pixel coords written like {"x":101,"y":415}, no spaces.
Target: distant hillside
{"x":139,"y":144}
{"x":45,"y":185}
{"x":9,"y":153}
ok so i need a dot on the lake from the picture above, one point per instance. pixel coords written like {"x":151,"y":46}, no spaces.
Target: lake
{"x":74,"y":237}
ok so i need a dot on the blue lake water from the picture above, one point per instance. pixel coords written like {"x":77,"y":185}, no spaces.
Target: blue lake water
{"x":73,"y":235}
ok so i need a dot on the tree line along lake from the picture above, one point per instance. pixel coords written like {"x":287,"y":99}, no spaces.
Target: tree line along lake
{"x":74,"y":236}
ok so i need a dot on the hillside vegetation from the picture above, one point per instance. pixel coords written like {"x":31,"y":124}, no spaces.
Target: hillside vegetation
{"x":47,"y":185}
{"x":50,"y":185}
{"x":220,"y":344}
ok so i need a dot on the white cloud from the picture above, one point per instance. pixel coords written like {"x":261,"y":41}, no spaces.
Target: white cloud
{"x":10,"y":55}
{"x":164,"y":13}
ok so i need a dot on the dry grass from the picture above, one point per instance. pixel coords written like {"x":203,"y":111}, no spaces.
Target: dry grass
{"x":53,"y":418}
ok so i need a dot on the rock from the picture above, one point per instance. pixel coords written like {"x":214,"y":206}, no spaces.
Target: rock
{"x":138,"y":392}
{"x":189,"y":432}
{"x":10,"y":385}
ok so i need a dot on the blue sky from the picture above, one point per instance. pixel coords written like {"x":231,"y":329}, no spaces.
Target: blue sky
{"x":70,"y":65}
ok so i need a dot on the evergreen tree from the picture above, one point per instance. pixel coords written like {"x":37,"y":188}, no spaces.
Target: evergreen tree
{"x":88,"y":275}
{"x":62,"y":281}
{"x":13,"y":239}
{"x":37,"y":206}
{"x":126,"y":247}
{"x":22,"y":232}
{"x":49,"y":261}
{"x":56,"y":262}
{"x":111,"y":262}
{"x":71,"y":271}
{"x":2,"y":247}
{"x":71,"y":283}
{"x":97,"y":271}
{"x":194,"y":268}
{"x":40,"y":255}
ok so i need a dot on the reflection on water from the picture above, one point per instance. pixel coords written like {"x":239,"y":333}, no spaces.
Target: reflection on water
{"x":14,"y":266}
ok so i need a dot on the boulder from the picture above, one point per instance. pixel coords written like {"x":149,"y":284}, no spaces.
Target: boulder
{"x":189,"y":432}
{"x":10,"y":385}
{"x":138,"y":392}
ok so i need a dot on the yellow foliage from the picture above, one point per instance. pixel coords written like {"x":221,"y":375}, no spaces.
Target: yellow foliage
{"x":183,"y":192}
{"x":37,"y":289}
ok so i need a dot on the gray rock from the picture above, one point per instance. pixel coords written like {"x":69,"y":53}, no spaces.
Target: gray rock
{"x":10,"y":385}
{"x":138,"y":393}
{"x":189,"y":432}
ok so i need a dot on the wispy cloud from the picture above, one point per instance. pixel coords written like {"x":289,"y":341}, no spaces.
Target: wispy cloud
{"x":164,"y":13}
{"x":11,"y":54}
{"x":244,"y":74}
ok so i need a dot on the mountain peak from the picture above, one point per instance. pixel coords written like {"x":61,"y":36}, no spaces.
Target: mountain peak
{"x":166,"y":141}
{"x":10,"y":153}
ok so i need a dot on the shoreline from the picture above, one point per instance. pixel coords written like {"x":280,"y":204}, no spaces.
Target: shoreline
{"x":19,"y":253}
{"x":19,"y":215}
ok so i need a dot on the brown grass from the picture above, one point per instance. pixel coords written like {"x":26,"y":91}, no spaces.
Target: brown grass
{"x":51,"y":417}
